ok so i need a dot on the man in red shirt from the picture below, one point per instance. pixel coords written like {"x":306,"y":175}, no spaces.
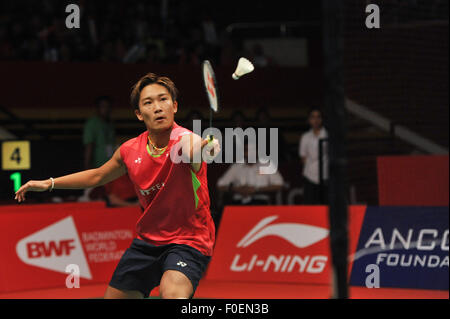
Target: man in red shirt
{"x":175,"y":234}
{"x":120,"y":192}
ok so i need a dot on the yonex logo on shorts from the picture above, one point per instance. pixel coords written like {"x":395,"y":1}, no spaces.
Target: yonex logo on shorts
{"x":182,"y":264}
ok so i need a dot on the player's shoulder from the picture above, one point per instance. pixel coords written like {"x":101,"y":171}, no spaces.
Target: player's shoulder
{"x":179,"y":131}
{"x":134,"y":142}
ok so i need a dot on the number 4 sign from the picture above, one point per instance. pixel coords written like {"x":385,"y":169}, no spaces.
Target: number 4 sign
{"x":16,"y":155}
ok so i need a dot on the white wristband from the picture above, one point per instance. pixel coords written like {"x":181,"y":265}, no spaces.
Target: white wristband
{"x":53,"y":184}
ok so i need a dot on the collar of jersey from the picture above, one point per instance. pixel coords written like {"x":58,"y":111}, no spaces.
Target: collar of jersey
{"x":153,"y":155}
{"x":175,"y":125}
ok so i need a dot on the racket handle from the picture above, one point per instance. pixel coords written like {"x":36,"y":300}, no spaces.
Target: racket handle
{"x":210,"y":139}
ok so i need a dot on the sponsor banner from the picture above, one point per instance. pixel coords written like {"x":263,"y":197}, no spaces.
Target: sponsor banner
{"x":38,"y":242}
{"x":277,"y":244}
{"x":408,"y":245}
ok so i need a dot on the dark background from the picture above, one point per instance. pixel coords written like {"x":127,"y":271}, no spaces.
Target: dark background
{"x":51,"y":76}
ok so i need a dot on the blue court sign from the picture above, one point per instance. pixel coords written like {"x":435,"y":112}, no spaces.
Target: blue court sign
{"x":409,"y":245}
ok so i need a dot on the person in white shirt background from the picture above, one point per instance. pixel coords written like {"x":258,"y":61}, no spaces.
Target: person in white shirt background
{"x":247,"y":185}
{"x":309,"y":154}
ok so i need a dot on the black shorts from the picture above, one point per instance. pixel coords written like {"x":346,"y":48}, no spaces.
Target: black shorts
{"x":142,"y":265}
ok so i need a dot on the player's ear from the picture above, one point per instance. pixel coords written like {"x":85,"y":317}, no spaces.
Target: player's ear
{"x":175,"y":107}
{"x":138,"y":114}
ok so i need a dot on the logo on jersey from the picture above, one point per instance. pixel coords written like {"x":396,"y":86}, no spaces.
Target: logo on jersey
{"x":154,"y":188}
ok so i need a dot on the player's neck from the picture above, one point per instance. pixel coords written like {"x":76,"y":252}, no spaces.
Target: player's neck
{"x":160,"y":139}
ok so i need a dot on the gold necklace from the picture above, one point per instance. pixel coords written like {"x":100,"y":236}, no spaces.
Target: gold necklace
{"x":159,"y":149}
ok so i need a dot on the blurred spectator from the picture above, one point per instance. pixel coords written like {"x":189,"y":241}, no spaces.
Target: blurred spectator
{"x":209,"y":31}
{"x":118,"y":193}
{"x":210,"y":37}
{"x":245,"y":183}
{"x":26,"y":28}
{"x":98,"y":139}
{"x":309,"y":154}
{"x":265,"y":121}
{"x":238,"y":120}
{"x":228,"y":56}
{"x":99,"y":135}
{"x":121,"y":192}
{"x":259,"y":58}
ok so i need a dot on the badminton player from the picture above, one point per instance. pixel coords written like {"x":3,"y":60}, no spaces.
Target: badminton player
{"x":175,"y":234}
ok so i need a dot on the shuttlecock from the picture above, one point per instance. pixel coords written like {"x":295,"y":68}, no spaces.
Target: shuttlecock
{"x":244,"y":66}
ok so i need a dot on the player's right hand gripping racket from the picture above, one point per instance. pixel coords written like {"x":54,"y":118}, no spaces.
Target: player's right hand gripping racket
{"x":209,"y":80}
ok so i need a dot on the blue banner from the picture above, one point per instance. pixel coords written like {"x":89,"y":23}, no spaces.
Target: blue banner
{"x":403,"y":247}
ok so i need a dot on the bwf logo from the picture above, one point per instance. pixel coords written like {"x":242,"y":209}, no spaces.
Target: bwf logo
{"x":54,"y":248}
{"x":48,"y":249}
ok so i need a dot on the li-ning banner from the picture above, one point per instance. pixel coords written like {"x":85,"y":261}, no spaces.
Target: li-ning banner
{"x":277,"y":244}
{"x":407,"y":247}
{"x":39,"y":242}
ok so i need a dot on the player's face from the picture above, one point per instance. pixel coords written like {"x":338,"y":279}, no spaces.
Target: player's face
{"x":156,"y":108}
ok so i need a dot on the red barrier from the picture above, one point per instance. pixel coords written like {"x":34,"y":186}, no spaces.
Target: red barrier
{"x":277,"y":244}
{"x":413,"y":180}
{"x":37,"y":242}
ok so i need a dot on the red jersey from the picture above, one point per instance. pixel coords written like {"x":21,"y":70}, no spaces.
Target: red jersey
{"x":174,"y":197}
{"x":121,"y":187}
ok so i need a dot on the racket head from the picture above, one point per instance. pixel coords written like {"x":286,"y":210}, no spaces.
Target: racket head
{"x":210,"y":84}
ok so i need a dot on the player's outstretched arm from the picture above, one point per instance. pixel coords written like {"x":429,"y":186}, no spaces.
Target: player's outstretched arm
{"x":111,"y":170}
{"x":195,"y":146}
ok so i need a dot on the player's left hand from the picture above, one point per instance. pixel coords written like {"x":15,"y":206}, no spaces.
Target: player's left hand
{"x":210,"y":148}
{"x":32,"y":186}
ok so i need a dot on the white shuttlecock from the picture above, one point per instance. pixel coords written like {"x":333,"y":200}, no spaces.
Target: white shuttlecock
{"x":244,"y":66}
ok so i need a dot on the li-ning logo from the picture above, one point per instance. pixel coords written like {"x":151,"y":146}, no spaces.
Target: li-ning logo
{"x":54,"y":247}
{"x":182,"y":264}
{"x":299,"y":235}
